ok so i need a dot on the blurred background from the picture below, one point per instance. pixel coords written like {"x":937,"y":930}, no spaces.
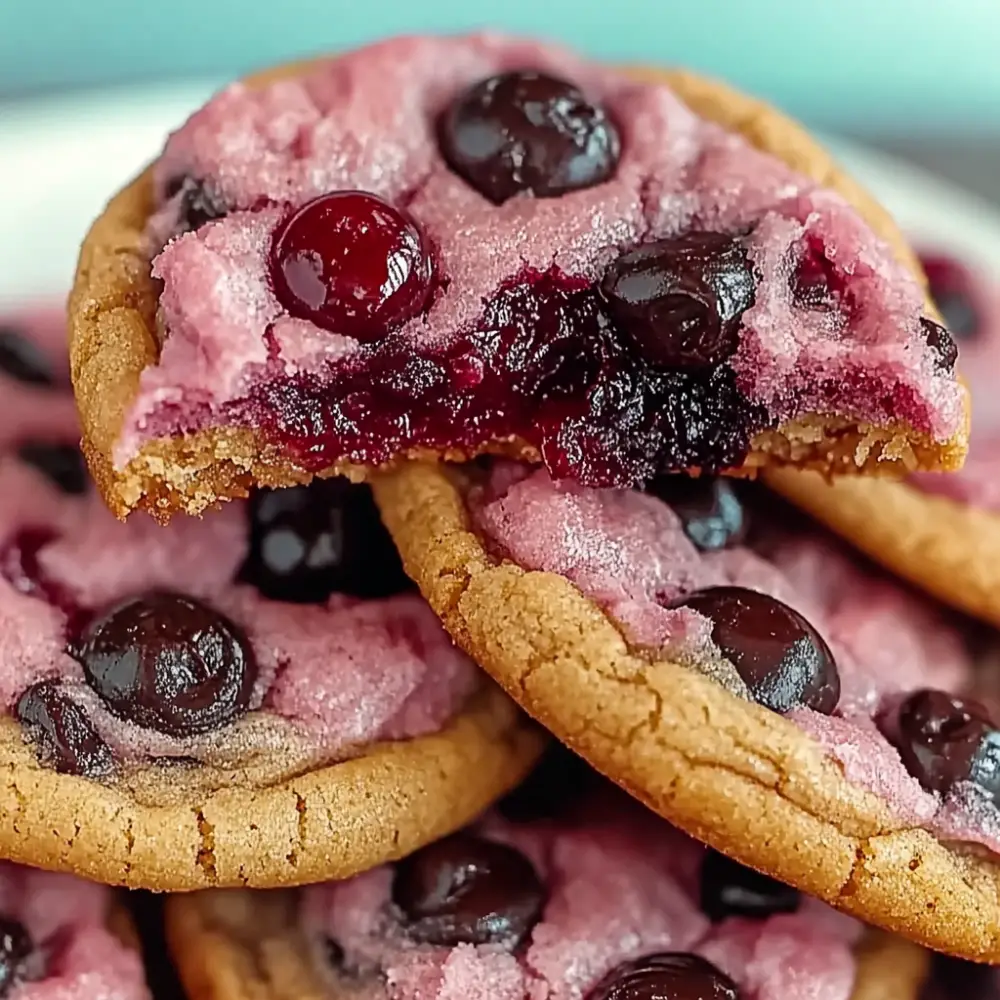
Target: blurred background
{"x":920,"y":77}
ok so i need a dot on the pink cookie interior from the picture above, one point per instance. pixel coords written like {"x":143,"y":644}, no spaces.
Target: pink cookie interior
{"x":621,"y":884}
{"x":366,"y":121}
{"x":628,"y":552}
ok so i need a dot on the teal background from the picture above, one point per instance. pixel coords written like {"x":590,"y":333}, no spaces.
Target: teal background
{"x":879,"y":65}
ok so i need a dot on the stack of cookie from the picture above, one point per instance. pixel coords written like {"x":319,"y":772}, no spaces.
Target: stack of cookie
{"x":427,"y":380}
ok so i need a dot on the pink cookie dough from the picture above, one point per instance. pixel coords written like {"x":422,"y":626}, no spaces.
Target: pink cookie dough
{"x":346,"y":672}
{"x":366,"y":120}
{"x":621,"y":883}
{"x":628,"y":552}
{"x":977,"y":483}
{"x":76,"y":956}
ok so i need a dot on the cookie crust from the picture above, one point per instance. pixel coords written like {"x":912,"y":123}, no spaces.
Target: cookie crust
{"x":948,"y":548}
{"x":327,"y":823}
{"x":730,"y":773}
{"x":112,"y":312}
{"x":239,"y":946}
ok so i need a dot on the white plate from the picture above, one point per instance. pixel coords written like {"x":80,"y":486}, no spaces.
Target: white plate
{"x":61,"y":159}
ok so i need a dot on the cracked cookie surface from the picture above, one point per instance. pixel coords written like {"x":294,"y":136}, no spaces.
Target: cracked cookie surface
{"x":253,"y":698}
{"x":940,"y":532}
{"x":815,"y":344}
{"x":754,"y":784}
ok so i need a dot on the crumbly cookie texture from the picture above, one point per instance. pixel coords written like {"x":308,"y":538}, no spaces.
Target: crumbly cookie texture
{"x":113,"y":339}
{"x":327,"y":823}
{"x":743,"y":779}
{"x":241,"y":946}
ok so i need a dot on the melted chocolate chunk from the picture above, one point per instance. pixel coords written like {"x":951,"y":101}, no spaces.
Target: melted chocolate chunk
{"x":309,"y":542}
{"x":729,"y":889}
{"x":198,"y":204}
{"x":468,"y":890}
{"x":61,"y":463}
{"x":944,"y":740}
{"x":65,"y":736}
{"x":941,"y":343}
{"x":170,"y":663}
{"x":709,"y":508}
{"x":666,"y":976}
{"x":784,"y":661}
{"x":23,"y":360}
{"x":16,"y":948}
{"x":681,"y":300}
{"x":528,"y":133}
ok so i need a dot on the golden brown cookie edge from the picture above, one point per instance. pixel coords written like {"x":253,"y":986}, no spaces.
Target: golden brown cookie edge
{"x":216,"y":943}
{"x":112,"y":339}
{"x":328,"y":823}
{"x":730,"y":773}
{"x":948,"y":548}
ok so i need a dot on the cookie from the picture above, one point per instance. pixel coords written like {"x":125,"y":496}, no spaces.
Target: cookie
{"x":322,"y":274}
{"x":258,"y":697}
{"x":63,"y":937}
{"x":773,"y":698}
{"x":940,"y":532}
{"x":615,"y":903}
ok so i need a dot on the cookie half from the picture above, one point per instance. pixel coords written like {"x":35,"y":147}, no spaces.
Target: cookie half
{"x":775,"y":699}
{"x":541,"y":909}
{"x":940,"y":532}
{"x":258,"y":697}
{"x":62,"y":936}
{"x":323,"y":273}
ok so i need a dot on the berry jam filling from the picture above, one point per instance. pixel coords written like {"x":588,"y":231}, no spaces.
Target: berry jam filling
{"x":169,"y":663}
{"x":784,"y":661}
{"x":666,"y":976}
{"x":309,"y":542}
{"x":946,"y":741}
{"x":604,"y":901}
{"x":547,"y":365}
{"x":528,"y":133}
{"x":468,"y":890}
{"x":352,"y":263}
{"x":951,"y":288}
{"x":537,"y":255}
{"x":61,"y":730}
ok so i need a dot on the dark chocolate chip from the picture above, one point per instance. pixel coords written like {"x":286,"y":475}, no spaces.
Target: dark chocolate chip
{"x":783,"y":660}
{"x":666,"y":976}
{"x":681,"y":300}
{"x":527,"y":132}
{"x":22,"y":359}
{"x":944,"y":740}
{"x":170,"y":663}
{"x":709,"y":508}
{"x":309,"y":542}
{"x":61,"y":463}
{"x":941,"y":343}
{"x":465,"y":889}
{"x":15,"y":949}
{"x":729,"y":889}
{"x":65,"y":736}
